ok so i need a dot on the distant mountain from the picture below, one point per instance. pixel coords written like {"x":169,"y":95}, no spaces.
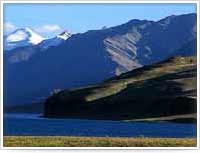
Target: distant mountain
{"x":165,"y":91}
{"x":23,"y":52}
{"x":94,"y":56}
{"x":21,"y":38}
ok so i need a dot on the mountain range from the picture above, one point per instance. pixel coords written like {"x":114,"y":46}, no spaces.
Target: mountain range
{"x":26,"y":37}
{"x":33,"y":71}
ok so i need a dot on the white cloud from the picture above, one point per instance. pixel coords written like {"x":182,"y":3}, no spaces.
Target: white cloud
{"x":9,"y":27}
{"x":48,"y":28}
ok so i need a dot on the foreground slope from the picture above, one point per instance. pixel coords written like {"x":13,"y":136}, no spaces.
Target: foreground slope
{"x":164,"y":89}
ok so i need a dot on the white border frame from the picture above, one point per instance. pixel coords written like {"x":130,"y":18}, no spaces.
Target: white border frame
{"x":101,"y":2}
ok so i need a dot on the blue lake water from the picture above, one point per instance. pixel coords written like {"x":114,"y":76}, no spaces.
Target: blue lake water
{"x":32,"y":125}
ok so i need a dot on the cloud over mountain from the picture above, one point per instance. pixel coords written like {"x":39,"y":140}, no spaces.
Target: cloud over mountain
{"x":9,"y":27}
{"x":48,"y":28}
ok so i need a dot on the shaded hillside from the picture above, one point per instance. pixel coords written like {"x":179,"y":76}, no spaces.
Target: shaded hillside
{"x":163,"y":89}
{"x":31,"y":73}
{"x":187,"y":49}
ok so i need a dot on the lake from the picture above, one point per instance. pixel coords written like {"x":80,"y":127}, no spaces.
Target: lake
{"x":32,"y":125}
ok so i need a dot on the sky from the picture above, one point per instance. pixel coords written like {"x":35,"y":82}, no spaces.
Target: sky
{"x":51,"y":19}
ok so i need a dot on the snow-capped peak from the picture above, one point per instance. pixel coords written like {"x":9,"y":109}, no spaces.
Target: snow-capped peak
{"x":25,"y":34}
{"x":27,"y":37}
{"x":22,"y":37}
{"x":35,"y":38}
{"x":64,"y":35}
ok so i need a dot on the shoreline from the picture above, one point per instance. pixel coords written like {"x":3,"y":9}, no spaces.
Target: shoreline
{"x":178,"y":119}
{"x":182,"y":119}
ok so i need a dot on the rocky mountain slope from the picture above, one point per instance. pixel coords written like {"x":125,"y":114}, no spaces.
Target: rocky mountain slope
{"x":31,"y":74}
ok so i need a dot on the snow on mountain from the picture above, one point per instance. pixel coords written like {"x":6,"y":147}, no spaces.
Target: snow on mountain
{"x":21,"y":38}
{"x":26,"y":37}
{"x":64,"y":35}
{"x":55,"y":41}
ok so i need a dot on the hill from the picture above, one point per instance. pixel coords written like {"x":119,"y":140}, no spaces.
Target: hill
{"x":164,"y":89}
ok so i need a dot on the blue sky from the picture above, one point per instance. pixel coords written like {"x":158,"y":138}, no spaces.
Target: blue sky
{"x":51,"y":19}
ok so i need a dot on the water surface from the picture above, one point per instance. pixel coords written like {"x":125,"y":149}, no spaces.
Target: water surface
{"x":32,"y":125}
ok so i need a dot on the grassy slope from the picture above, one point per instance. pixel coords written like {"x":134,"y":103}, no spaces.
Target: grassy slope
{"x":163,"y":89}
{"x":29,"y":141}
